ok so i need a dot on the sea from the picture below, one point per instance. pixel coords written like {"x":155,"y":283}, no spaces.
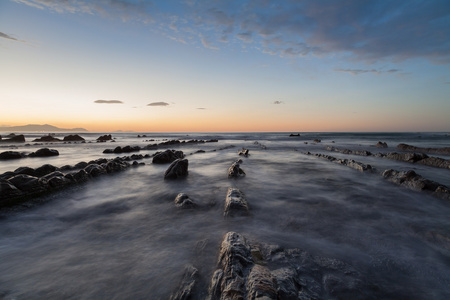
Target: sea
{"x":120,"y":236}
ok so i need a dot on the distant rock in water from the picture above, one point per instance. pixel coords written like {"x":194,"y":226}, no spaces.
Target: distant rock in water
{"x":167,"y":156}
{"x":14,"y":139}
{"x":296,"y":134}
{"x":104,"y":138}
{"x":73,"y":138}
{"x":183,"y":201}
{"x":177,"y":169}
{"x":244,"y":152}
{"x":381,"y":145}
{"x":235,"y":170}
{"x":47,"y":138}
{"x":44,"y":152}
{"x":406,"y":147}
{"x":11,"y":155}
{"x":235,"y":203}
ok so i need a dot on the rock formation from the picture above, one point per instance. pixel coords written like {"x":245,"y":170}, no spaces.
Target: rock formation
{"x":235,"y":203}
{"x":177,"y":169}
{"x":235,"y":170}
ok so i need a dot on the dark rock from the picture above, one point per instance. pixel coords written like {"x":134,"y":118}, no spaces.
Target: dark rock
{"x":381,"y":145}
{"x":81,"y":165}
{"x":29,"y":184}
{"x":244,"y":152}
{"x":317,"y":141}
{"x":73,"y":138}
{"x":8,"y":191}
{"x":80,"y":176}
{"x":177,"y":169}
{"x":108,"y":151}
{"x":116,"y":166}
{"x":355,"y":165}
{"x":14,"y":139}
{"x":44,"y":152}
{"x":56,"y":180}
{"x":261,"y":284}
{"x":103,"y":138}
{"x":167,"y":156}
{"x":11,"y":155}
{"x":47,"y":138}
{"x":435,"y":162}
{"x":7,"y":175}
{"x":186,"y":288}
{"x":406,"y":157}
{"x":95,"y":170}
{"x":26,"y":171}
{"x":183,"y":201}
{"x":45,"y":169}
{"x":235,"y":170}
{"x":292,"y":134}
{"x":406,"y":147}
{"x":235,"y":203}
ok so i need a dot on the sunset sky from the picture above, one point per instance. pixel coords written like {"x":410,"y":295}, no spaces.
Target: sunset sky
{"x":188,"y":65}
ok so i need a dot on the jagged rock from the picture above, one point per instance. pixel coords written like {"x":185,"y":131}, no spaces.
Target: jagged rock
{"x":187,"y":284}
{"x":73,"y":138}
{"x":14,"y":139}
{"x":44,"y":152}
{"x":104,"y":138}
{"x":406,"y":147}
{"x":167,"y":156}
{"x":435,"y":162}
{"x":243,"y":151}
{"x":381,"y":145}
{"x":407,"y":157}
{"x":235,"y":170}
{"x":11,"y":155}
{"x":47,"y":138}
{"x":177,"y":169}
{"x":80,"y":176}
{"x":355,"y":165}
{"x":261,"y":284}
{"x":182,"y":200}
{"x":235,"y":203}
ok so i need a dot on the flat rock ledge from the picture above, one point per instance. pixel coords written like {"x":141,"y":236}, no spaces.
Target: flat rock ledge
{"x":406,"y":147}
{"x":235,"y":203}
{"x":26,"y":183}
{"x":250,"y":270}
{"x":346,"y":162}
{"x":414,"y":181}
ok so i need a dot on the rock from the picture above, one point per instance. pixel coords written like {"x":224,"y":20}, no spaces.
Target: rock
{"x":44,"y":152}
{"x":29,"y":184}
{"x":317,"y":141}
{"x":80,"y":176}
{"x":355,"y":165}
{"x":81,"y":165}
{"x":116,"y":166}
{"x":235,"y":170}
{"x":261,"y":284}
{"x":95,"y":170}
{"x":14,"y":139}
{"x":406,"y":147}
{"x":406,"y":157}
{"x":104,"y":138}
{"x":167,"y":156}
{"x":296,"y":134}
{"x":56,"y":180}
{"x":11,"y":155}
{"x":244,"y":152}
{"x":381,"y":145}
{"x":8,"y":191}
{"x":435,"y":162}
{"x":47,"y":138}
{"x":183,"y":201}
{"x":45,"y":169}
{"x":73,"y":138}
{"x":26,"y":171}
{"x":235,"y":203}
{"x":177,"y":169}
{"x":187,"y":284}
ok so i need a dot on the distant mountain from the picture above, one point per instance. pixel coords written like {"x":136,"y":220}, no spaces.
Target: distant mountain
{"x":40,"y":128}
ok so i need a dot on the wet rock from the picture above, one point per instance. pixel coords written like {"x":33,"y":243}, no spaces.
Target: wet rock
{"x":11,"y":155}
{"x":187,"y":284}
{"x":235,"y":170}
{"x":26,"y":171}
{"x":235,"y":203}
{"x":406,"y":147}
{"x":81,"y":165}
{"x":104,"y":138}
{"x":8,"y":191}
{"x":182,"y":200}
{"x":435,"y":162}
{"x":412,"y":180}
{"x":73,"y":138}
{"x":243,"y":152}
{"x":44,"y":152}
{"x":47,"y":138}
{"x":355,"y":165}
{"x":29,"y":184}
{"x":406,"y":157}
{"x":177,"y":169}
{"x":167,"y":156}
{"x":261,"y":284}
{"x":45,"y":169}
{"x":14,"y":139}
{"x":381,"y":145}
{"x":56,"y":180}
{"x":95,"y":170}
{"x":116,"y":166}
{"x":80,"y":176}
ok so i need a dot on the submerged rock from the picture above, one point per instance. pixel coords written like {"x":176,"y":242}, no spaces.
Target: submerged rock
{"x":182,"y":200}
{"x":235,"y":170}
{"x":44,"y":152}
{"x":235,"y":203}
{"x":187,"y":284}
{"x":177,"y":169}
{"x":381,"y":145}
{"x":244,"y":152}
{"x":73,"y":138}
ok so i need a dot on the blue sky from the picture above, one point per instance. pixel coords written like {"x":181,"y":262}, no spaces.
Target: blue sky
{"x":226,"y":65}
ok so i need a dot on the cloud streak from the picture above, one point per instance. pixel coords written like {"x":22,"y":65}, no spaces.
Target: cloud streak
{"x":5,"y":36}
{"x":158,"y":104}
{"x":108,"y":101}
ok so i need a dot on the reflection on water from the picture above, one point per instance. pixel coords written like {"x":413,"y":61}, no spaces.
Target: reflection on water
{"x":121,"y":237}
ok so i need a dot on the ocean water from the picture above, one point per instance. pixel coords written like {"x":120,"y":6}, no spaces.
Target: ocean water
{"x":120,"y":236}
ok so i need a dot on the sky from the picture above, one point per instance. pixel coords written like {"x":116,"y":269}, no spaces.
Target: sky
{"x":226,"y":66}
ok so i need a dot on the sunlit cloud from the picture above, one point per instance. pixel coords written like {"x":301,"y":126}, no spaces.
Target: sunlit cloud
{"x":108,"y":101}
{"x":158,"y":104}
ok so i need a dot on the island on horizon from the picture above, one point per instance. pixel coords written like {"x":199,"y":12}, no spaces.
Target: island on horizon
{"x":39,"y":128}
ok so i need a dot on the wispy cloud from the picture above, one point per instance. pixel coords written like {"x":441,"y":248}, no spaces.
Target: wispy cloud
{"x":364,"y":71}
{"x":278,"y":102}
{"x":201,"y":108}
{"x":108,"y":101}
{"x":158,"y":104}
{"x":5,"y":36}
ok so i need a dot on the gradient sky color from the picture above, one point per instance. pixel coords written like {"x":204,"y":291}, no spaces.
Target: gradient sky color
{"x":152,"y":66}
